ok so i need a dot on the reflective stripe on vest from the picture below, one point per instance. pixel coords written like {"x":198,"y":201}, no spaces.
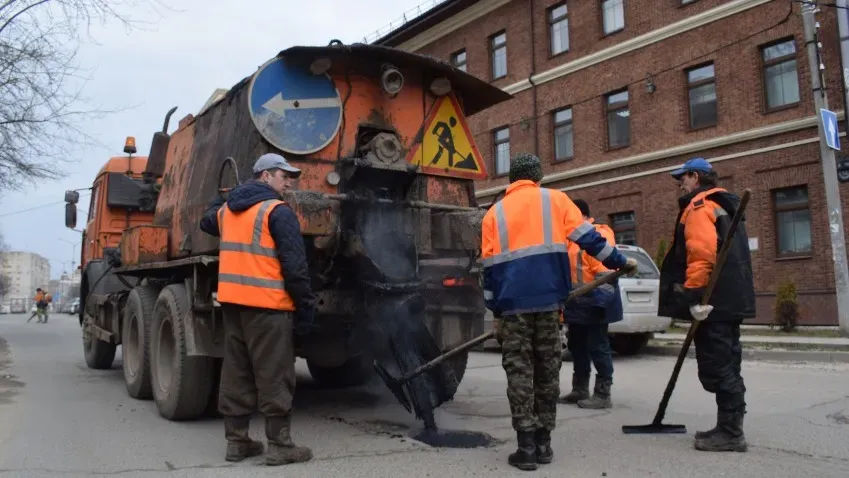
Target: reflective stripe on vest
{"x":249,"y":269}
{"x":503,"y":251}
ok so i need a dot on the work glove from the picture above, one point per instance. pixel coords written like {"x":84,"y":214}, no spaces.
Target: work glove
{"x":630,"y":266}
{"x":700,"y":312}
{"x":496,"y":327}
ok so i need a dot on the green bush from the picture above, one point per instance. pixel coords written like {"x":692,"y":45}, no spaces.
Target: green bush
{"x":786,"y":306}
{"x":660,"y":254}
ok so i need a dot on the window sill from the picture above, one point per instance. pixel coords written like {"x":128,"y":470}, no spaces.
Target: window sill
{"x":782,"y":108}
{"x":562,"y":160}
{"x":793,"y":258}
{"x":618,"y":147}
{"x":552,"y":56}
{"x":702,"y":128}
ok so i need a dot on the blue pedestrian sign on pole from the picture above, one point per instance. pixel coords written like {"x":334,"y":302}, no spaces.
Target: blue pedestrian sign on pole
{"x":829,"y":125}
{"x":294,"y":110}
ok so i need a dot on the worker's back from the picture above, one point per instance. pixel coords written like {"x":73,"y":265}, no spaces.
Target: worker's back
{"x":602,"y":302}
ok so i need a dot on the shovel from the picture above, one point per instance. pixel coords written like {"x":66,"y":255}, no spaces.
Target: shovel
{"x":656,"y":426}
{"x":396,"y":385}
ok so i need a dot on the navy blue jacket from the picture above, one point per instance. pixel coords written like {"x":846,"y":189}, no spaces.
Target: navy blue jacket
{"x":285,"y":229}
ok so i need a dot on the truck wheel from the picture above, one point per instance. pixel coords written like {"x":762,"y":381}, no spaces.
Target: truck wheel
{"x":355,"y":371}
{"x":458,"y":365}
{"x":135,"y":340}
{"x":99,"y":355}
{"x":181,"y":384}
{"x":628,"y":344}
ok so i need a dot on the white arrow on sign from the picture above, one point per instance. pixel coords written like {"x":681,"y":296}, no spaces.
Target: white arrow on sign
{"x":830,"y":128}
{"x":278,"y":105}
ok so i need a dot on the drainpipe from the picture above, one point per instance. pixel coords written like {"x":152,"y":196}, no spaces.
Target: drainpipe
{"x":531,"y":80}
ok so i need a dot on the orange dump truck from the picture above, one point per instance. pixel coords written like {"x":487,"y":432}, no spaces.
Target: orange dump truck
{"x":386,"y":207}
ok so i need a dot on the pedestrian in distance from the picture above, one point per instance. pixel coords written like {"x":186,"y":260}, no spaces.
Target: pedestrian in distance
{"x":587,"y":318}
{"x":42,"y":301}
{"x":704,"y":217}
{"x":264,"y":290}
{"x":526,"y":280}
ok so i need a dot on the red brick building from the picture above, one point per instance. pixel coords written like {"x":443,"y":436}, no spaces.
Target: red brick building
{"x":614,"y":94}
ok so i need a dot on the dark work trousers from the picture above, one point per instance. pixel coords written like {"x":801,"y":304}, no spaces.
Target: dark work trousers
{"x":719,"y":355}
{"x":259,"y":362}
{"x":590,"y":344}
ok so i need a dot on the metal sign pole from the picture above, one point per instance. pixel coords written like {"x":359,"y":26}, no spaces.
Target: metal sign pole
{"x":829,"y":141}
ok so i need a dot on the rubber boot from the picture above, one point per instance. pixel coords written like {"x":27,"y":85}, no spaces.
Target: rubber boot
{"x":281,"y":449}
{"x":239,"y":444}
{"x":524,"y":458}
{"x":542,"y":440}
{"x":728,"y":436}
{"x":580,"y":390}
{"x":601,"y":395}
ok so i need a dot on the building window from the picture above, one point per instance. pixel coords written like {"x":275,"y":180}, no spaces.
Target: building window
{"x":781,"y":79}
{"x":458,"y":60}
{"x":558,"y":28}
{"x":618,"y":120}
{"x":498,"y":45}
{"x":792,"y":221}
{"x":501,"y":139}
{"x":624,"y":225}
{"x":613,"y":15}
{"x":701,"y":86}
{"x":563,"y":134}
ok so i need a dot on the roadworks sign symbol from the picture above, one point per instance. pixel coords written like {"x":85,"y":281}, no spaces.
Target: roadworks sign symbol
{"x":447,"y":147}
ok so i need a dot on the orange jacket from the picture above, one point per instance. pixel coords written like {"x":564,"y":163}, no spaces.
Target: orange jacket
{"x":699,"y":224}
{"x":524,"y":249}
{"x":42,"y":297}
{"x":249,"y":272}
{"x":586,"y":268}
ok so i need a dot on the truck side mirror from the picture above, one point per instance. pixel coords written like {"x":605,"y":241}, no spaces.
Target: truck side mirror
{"x":70,"y":215}
{"x":72,"y":197}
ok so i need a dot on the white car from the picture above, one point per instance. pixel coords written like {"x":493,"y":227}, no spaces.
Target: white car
{"x":639,"y":305}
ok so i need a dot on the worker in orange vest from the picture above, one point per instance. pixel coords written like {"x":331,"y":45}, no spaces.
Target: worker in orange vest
{"x":704,"y":218}
{"x":526,"y":280}
{"x":264,"y":290}
{"x":587,"y":318}
{"x":42,"y":303}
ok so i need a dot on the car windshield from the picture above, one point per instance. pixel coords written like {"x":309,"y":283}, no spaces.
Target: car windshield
{"x":645,"y":267}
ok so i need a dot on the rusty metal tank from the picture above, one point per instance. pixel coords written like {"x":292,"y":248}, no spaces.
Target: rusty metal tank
{"x":386,"y":199}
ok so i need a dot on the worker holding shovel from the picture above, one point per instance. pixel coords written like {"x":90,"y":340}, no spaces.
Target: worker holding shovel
{"x":526,"y":279}
{"x":704,"y":218}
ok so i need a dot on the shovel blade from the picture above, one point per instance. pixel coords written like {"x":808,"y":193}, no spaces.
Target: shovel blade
{"x":393,"y":385}
{"x":653,"y":428}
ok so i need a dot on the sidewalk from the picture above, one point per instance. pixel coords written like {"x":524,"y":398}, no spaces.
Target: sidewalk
{"x":768,"y":339}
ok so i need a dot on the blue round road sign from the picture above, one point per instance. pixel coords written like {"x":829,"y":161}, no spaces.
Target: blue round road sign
{"x":294,"y":110}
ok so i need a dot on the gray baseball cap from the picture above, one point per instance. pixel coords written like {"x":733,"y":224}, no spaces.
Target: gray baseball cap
{"x":274,"y":160}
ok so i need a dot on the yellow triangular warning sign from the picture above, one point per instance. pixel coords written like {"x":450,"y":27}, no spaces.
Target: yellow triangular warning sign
{"x":447,"y":147}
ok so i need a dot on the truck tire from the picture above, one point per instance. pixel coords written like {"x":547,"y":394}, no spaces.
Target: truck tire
{"x":458,"y":364}
{"x":181,"y":384}
{"x":628,"y":344}
{"x":99,"y":355}
{"x":135,"y":340}
{"x":354,"y":372}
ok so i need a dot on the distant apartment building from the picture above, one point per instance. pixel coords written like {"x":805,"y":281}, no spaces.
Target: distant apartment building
{"x":26,"y":271}
{"x":614,"y":94}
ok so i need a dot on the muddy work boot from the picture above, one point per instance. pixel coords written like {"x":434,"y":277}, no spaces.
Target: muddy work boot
{"x":707,"y":433}
{"x":281,"y":449}
{"x":580,"y":390}
{"x":601,"y":396}
{"x":239,"y":444}
{"x":728,"y":435}
{"x":524,"y":458}
{"x":542,"y":440}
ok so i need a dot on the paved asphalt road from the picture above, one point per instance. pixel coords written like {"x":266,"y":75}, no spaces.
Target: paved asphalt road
{"x":58,"y":418}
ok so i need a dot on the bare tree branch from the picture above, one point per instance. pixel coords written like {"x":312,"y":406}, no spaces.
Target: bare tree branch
{"x":42,"y":106}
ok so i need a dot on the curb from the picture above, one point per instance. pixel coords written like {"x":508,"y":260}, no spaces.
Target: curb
{"x":755,"y":354}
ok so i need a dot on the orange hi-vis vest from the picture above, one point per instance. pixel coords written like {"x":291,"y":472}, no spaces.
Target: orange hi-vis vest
{"x":586,"y":268}
{"x":249,"y":271}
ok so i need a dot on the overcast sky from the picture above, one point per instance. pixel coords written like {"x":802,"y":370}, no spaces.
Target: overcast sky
{"x":180,"y":61}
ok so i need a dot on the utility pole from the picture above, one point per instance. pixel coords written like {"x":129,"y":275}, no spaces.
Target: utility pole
{"x":829,"y":169}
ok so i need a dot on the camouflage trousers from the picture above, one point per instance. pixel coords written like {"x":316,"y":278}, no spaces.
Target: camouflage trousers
{"x":531,"y":357}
